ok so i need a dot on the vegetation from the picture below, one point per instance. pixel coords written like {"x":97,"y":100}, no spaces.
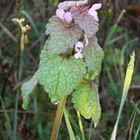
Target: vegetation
{"x":21,"y":43}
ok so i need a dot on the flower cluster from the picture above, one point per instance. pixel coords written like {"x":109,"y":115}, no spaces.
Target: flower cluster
{"x":64,"y":13}
{"x":78,"y":49}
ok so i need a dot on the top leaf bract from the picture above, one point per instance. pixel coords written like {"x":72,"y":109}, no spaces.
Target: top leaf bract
{"x":84,"y":20}
{"x":62,"y":35}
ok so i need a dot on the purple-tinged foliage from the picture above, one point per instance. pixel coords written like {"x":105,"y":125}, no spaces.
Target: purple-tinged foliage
{"x":71,"y":56}
{"x":61,"y":36}
{"x":69,"y":4}
{"x":84,"y":20}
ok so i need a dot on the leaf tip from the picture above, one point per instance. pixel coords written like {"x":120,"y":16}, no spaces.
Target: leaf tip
{"x":25,"y":105}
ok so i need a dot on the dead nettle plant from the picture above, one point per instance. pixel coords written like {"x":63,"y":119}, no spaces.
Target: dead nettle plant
{"x":70,"y":61}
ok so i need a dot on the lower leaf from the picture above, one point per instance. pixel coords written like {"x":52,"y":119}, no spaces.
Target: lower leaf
{"x":27,"y":88}
{"x":59,"y":75}
{"x":86,"y":101}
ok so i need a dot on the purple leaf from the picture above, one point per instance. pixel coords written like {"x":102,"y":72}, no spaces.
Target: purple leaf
{"x":68,"y":4}
{"x":84,"y":20}
{"x":61,"y":36}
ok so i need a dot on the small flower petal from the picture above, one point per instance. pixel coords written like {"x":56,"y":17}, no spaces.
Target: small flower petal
{"x":92,"y":11}
{"x":77,"y":49}
{"x":68,"y":17}
{"x":95,"y":7}
{"x":60,"y":13}
{"x":78,"y":55}
{"x":81,"y":56}
{"x":79,"y":44}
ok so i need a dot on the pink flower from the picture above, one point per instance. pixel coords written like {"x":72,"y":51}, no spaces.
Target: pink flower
{"x":78,"y":48}
{"x":65,"y":16}
{"x":60,"y":13}
{"x":68,"y":17}
{"x":92,"y":11}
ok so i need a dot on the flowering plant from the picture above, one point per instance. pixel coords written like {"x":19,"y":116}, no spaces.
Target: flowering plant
{"x":71,"y":59}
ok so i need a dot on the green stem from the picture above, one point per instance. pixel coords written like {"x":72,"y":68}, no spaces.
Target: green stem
{"x":21,"y":62}
{"x":91,"y":123}
{"x":21,"y":49}
{"x":80,"y":125}
{"x":58,"y":118}
{"x":20,"y":72}
{"x":69,"y":127}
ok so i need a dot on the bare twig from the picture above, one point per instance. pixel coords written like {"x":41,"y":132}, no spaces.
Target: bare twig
{"x":8,"y":32}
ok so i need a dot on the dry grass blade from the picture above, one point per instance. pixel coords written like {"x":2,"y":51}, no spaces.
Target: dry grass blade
{"x":127,"y":82}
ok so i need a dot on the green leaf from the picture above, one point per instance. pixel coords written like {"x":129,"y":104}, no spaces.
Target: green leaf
{"x":62,"y":36}
{"x":84,"y":20}
{"x":93,"y":56}
{"x":59,"y":75}
{"x":86,"y":101}
{"x":27,"y":88}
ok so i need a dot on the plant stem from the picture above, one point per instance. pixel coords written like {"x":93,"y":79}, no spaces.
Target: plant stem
{"x":80,"y":125}
{"x":8,"y":124}
{"x":58,"y":118}
{"x":21,"y":59}
{"x":91,"y":123}
{"x":69,"y":127}
{"x":19,"y":22}
{"x":20,"y":71}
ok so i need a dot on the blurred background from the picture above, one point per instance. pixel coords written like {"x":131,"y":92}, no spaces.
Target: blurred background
{"x":118,"y":35}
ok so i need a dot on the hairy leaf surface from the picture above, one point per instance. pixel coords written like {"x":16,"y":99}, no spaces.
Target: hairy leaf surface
{"x":27,"y":89}
{"x":62,"y":35}
{"x":84,"y":20}
{"x":86,"y":101}
{"x":59,"y":75}
{"x":93,"y":54}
